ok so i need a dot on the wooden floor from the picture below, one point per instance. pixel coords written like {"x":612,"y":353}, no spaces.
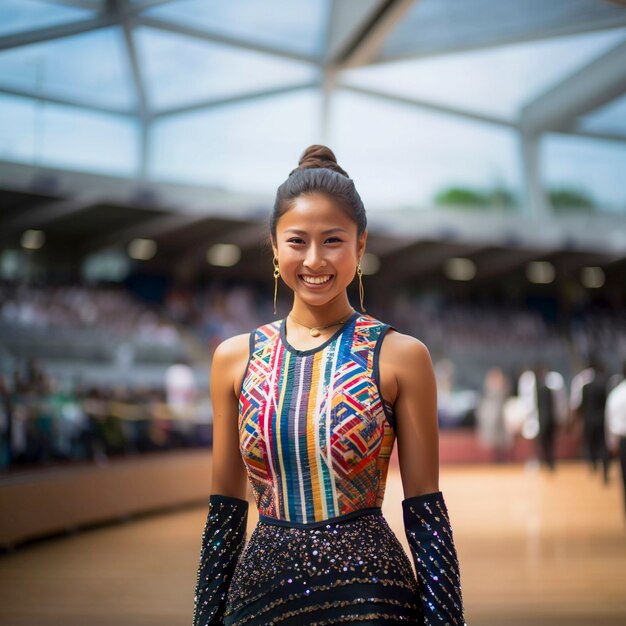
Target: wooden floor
{"x":535,"y":549}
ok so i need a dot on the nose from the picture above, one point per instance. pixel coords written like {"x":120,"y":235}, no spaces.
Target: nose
{"x":314,"y":258}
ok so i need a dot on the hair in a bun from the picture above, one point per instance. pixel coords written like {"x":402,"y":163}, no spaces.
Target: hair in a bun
{"x":319,"y":156}
{"x":319,"y":172}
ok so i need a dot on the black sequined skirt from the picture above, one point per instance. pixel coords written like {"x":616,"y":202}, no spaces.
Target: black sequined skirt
{"x":349,"y":571}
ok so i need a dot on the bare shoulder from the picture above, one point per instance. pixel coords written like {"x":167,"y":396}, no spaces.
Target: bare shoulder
{"x":403,"y":359}
{"x":231,"y":356}
{"x":233,"y":348}
{"x":404,"y":350}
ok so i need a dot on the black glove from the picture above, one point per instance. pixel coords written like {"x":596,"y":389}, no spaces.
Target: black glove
{"x":428,"y":531}
{"x":223,"y":541}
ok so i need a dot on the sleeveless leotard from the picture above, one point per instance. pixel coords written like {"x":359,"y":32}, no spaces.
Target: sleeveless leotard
{"x":316,"y":436}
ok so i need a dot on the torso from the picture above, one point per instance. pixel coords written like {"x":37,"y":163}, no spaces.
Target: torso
{"x":316,"y":430}
{"x":387,"y":359}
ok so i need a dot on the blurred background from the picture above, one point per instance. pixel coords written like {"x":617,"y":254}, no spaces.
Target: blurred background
{"x":141,"y":145}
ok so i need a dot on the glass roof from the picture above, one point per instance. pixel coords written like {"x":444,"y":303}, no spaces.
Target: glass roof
{"x":228,"y":93}
{"x":495,"y":81}
{"x":407,"y":156}
{"x":247,"y":147}
{"x":73,"y":67}
{"x":297,"y":25}
{"x":23,"y":15}
{"x":440,"y":25}
{"x":179,"y":70}
{"x":610,"y":118}
{"x":67,"y":137}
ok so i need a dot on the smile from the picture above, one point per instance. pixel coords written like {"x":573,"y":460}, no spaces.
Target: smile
{"x":316,"y":280}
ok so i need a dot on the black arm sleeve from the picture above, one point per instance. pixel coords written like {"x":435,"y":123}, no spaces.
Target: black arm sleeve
{"x":223,"y":541}
{"x":428,"y":531}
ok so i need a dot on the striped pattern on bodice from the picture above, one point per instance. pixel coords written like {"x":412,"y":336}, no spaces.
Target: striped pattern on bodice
{"x":314,"y":433}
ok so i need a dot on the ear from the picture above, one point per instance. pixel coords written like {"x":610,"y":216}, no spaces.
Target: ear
{"x":361,"y":244}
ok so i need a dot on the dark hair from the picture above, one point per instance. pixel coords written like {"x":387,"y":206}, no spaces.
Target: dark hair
{"x":318,"y":172}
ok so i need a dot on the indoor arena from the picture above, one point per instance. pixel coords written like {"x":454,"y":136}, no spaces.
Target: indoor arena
{"x":435,"y":189}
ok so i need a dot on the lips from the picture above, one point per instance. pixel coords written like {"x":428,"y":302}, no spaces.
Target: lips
{"x":316,"y":284}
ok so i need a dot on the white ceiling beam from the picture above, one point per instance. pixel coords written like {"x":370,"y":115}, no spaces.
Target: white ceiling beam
{"x":501,"y":39}
{"x":535,"y":202}
{"x":430,"y":106}
{"x":50,"y":33}
{"x":81,"y":104}
{"x":367,"y":44}
{"x":146,"y":4}
{"x":587,"y":89}
{"x":78,"y":4}
{"x":214,"y":37}
{"x":592,"y":134}
{"x":218,"y":102}
{"x":139,"y":85}
{"x":346,"y":21}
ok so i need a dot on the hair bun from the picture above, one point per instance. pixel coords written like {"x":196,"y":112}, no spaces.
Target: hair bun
{"x":317,"y":155}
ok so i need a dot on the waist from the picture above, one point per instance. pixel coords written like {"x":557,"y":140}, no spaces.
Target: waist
{"x":373,"y":510}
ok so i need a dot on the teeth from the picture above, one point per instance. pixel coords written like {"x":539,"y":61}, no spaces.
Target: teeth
{"x":316,"y":281}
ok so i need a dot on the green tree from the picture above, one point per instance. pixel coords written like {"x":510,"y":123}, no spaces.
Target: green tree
{"x":564,"y":200}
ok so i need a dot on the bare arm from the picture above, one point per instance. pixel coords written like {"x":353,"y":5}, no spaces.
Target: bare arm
{"x":426,"y":521}
{"x":227,"y":368}
{"x":416,"y":413}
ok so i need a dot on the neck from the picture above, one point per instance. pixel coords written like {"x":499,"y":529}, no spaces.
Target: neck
{"x":321,"y":316}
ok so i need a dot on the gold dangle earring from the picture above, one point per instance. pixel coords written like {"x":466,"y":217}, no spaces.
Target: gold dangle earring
{"x":360,"y":273}
{"x":276,"y":275}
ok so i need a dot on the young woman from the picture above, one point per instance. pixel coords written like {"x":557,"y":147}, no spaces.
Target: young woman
{"x":307,"y":409}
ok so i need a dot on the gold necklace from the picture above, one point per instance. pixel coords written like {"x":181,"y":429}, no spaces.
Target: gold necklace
{"x":315,"y":331}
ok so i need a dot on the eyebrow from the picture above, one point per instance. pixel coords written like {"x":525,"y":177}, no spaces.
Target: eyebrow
{"x":324,"y":232}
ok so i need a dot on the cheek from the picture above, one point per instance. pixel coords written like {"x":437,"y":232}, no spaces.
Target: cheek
{"x":289,"y":256}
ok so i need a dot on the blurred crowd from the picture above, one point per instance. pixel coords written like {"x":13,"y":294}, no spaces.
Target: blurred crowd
{"x":505,"y":371}
{"x":43,"y":421}
{"x":101,"y":308}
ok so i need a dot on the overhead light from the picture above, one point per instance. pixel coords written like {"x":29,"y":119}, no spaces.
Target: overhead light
{"x":459,"y":268}
{"x":370,"y":263}
{"x":142,"y":249}
{"x":32,"y":239}
{"x":223,"y":254}
{"x":540,"y":272}
{"x":592,"y":277}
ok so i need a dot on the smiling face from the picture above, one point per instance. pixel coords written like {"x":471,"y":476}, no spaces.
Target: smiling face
{"x":318,"y":251}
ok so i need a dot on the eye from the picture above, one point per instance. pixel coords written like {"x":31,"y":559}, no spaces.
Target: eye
{"x":294,"y":240}
{"x":335,"y":238}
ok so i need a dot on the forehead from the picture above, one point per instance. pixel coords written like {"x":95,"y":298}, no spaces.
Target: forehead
{"x":315,"y":212}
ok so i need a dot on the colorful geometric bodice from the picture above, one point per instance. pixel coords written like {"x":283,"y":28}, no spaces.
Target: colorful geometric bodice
{"x":314,"y":432}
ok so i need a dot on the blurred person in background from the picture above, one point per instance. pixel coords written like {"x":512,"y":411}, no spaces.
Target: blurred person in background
{"x":588,"y":400}
{"x":491,"y":428}
{"x":181,"y":391}
{"x":615,"y":411}
{"x":546,"y":416}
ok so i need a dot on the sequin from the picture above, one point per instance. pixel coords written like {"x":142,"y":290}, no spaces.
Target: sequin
{"x":429,"y":533}
{"x":223,"y":540}
{"x":351,"y":570}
